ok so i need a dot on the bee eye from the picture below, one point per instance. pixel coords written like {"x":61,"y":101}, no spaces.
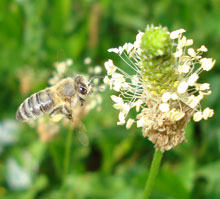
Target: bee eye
{"x":82,"y":90}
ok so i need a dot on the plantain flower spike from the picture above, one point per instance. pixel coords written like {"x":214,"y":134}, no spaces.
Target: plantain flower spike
{"x":164,"y":86}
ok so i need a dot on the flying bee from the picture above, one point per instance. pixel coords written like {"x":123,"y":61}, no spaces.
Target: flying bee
{"x":55,"y":100}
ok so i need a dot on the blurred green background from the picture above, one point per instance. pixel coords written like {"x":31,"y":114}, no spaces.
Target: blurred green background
{"x":36,"y":33}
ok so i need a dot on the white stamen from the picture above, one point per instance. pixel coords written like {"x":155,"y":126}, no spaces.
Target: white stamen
{"x":182,"y":88}
{"x":117,"y":99}
{"x":174,"y":96}
{"x":207,"y":113}
{"x":197,"y":116}
{"x":192,"y":79}
{"x":204,"y":86}
{"x":184,"y":68}
{"x":110,"y":67}
{"x":141,"y":122}
{"x":175,"y":34}
{"x":164,"y":107}
{"x":121,"y":118}
{"x":129,"y":123}
{"x":138,"y":40}
{"x":166,"y":96}
{"x":138,"y":104}
{"x":207,"y":63}
{"x":189,"y":42}
{"x":114,"y":50}
{"x":191,"y":52}
{"x":178,"y":53}
{"x":202,"y":49}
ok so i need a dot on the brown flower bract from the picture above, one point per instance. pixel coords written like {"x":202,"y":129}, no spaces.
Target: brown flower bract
{"x":162,"y":131}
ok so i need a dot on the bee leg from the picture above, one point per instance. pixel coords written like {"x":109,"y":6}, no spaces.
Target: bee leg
{"x":62,"y":109}
{"x":55,"y":111}
{"x":67,"y":112}
{"x":56,"y":115}
{"x":81,"y":101}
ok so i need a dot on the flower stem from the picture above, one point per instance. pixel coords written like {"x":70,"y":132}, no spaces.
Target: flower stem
{"x":55,"y":159}
{"x":153,"y":172}
{"x":67,"y":156}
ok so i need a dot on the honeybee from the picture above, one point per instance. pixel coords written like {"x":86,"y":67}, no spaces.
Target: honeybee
{"x":58,"y":99}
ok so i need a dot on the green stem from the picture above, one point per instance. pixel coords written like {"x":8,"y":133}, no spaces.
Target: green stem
{"x":55,"y":159}
{"x":67,"y":156}
{"x":153,"y":172}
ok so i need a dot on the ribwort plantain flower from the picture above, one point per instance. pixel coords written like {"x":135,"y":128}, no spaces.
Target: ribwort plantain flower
{"x":164,"y":88}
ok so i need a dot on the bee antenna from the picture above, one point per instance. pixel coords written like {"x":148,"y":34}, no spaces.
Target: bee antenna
{"x":95,"y":77}
{"x":92,"y":85}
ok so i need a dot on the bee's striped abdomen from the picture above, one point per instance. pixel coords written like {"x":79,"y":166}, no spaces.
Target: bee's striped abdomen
{"x":35,"y":106}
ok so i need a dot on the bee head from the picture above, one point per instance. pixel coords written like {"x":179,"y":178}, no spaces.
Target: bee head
{"x":81,"y":86}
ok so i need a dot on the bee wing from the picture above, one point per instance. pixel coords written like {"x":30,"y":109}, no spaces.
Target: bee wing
{"x":81,"y":131}
{"x":82,"y":137}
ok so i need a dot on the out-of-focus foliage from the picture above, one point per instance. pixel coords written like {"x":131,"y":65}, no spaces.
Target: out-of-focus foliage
{"x":36,"y":33}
